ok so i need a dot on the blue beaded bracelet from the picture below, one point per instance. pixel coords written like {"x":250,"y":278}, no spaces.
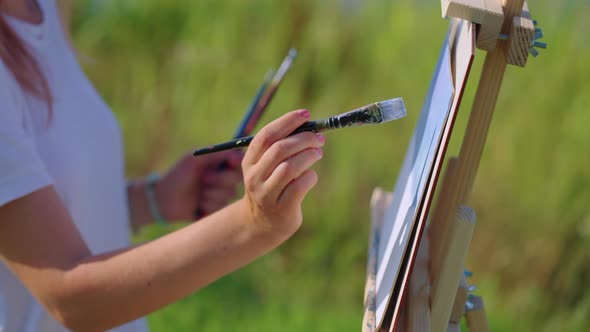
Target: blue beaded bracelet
{"x":150,"y":190}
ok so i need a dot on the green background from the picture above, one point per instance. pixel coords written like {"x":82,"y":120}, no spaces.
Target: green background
{"x":180,"y":74}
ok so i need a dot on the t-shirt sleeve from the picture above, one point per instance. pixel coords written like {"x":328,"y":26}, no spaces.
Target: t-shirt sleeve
{"x":21,"y":169}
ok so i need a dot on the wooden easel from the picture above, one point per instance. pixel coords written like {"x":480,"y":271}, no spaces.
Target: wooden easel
{"x":438,"y":294}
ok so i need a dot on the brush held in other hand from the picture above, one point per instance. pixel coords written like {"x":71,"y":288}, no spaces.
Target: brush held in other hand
{"x":375,"y":113}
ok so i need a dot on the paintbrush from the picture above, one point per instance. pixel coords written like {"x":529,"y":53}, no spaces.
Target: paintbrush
{"x":254,"y":112}
{"x":375,"y":113}
{"x":264,"y":96}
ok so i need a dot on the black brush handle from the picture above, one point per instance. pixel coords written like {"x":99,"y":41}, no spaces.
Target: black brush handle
{"x":315,"y":126}
{"x":233,"y":144}
{"x":308,"y":126}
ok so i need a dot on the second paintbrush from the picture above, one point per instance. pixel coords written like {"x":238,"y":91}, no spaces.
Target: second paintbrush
{"x":380,"y":112}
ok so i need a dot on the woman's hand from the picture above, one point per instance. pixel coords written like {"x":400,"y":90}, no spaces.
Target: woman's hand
{"x":196,"y":184}
{"x":277,"y":173}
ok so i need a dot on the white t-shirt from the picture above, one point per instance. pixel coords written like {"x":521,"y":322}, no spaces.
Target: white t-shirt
{"x":79,"y":151}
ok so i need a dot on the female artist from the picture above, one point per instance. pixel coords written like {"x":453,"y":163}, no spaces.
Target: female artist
{"x":66,"y":210}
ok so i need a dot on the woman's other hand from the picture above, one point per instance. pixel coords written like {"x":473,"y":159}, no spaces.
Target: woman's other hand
{"x":197,"y":184}
{"x":277,"y":173}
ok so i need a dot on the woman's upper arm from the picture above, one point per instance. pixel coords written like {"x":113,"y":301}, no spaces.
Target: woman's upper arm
{"x":39,"y":242}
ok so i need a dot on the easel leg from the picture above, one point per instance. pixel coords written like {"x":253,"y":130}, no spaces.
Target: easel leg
{"x":418,"y":302}
{"x":446,"y":282}
{"x":476,"y":315}
{"x":460,"y":300}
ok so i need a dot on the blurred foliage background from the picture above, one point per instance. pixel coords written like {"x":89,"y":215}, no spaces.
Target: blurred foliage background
{"x":180,"y":74}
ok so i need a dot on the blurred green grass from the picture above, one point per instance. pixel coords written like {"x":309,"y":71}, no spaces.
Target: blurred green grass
{"x":179,"y":74}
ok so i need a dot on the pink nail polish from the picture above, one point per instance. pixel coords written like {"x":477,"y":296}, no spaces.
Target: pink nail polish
{"x":304,"y":114}
{"x":321,"y":138}
{"x":320,"y":151}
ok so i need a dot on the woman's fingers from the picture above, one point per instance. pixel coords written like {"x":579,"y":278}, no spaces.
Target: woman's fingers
{"x":225,"y":179}
{"x":298,"y":188}
{"x":210,"y":161}
{"x":276,"y":171}
{"x":234,"y":159}
{"x":291,"y":169}
{"x":286,"y":148}
{"x":274,"y":131}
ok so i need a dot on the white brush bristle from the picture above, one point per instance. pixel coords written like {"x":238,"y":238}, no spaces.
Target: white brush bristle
{"x":392,"y":109}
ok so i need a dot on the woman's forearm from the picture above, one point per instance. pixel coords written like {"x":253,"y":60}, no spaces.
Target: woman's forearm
{"x":110,"y":289}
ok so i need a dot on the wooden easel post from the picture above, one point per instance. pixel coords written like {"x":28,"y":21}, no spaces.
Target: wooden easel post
{"x":462,"y":170}
{"x":513,"y":50}
{"x":508,"y":36}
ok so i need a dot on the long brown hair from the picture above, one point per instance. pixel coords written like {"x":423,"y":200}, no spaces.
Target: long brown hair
{"x":21,"y":63}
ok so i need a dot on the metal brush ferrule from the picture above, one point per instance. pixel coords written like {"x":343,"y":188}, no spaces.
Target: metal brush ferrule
{"x":365,"y":115}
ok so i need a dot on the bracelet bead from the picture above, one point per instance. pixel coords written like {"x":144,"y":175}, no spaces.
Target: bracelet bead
{"x":150,"y":190}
